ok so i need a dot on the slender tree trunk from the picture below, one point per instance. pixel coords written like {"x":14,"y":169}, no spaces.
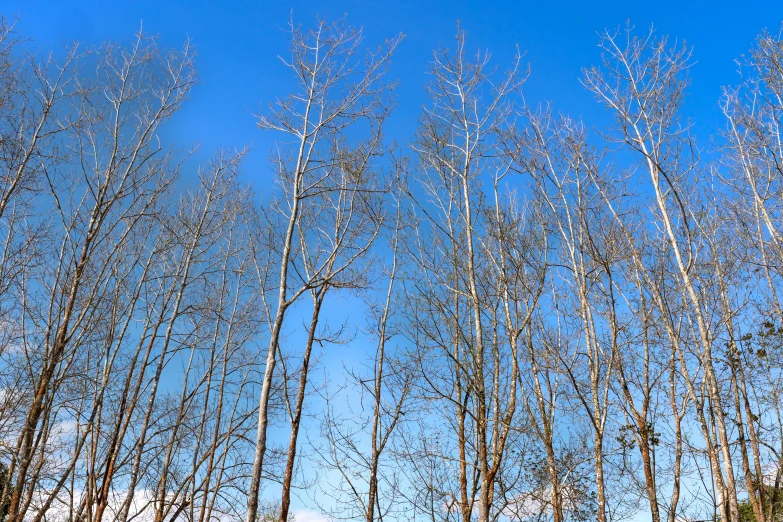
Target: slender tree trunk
{"x":300,"y":396}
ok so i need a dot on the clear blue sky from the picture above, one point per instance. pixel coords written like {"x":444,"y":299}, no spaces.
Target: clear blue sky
{"x":238,"y":42}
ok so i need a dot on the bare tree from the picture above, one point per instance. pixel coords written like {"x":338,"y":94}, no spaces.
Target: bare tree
{"x":119,"y":160}
{"x":335,"y":89}
{"x":564,"y":324}
{"x":358,"y":447}
{"x":495,"y":253}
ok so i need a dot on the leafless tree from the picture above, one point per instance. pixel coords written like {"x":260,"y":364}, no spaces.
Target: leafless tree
{"x":358,"y":447}
{"x":336,"y":89}
{"x":494,"y":249}
{"x":565,"y":324}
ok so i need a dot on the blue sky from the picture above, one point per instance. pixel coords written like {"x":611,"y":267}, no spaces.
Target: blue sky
{"x":238,"y":43}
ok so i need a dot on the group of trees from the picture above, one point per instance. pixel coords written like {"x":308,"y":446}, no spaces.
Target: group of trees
{"x":562,"y":324}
